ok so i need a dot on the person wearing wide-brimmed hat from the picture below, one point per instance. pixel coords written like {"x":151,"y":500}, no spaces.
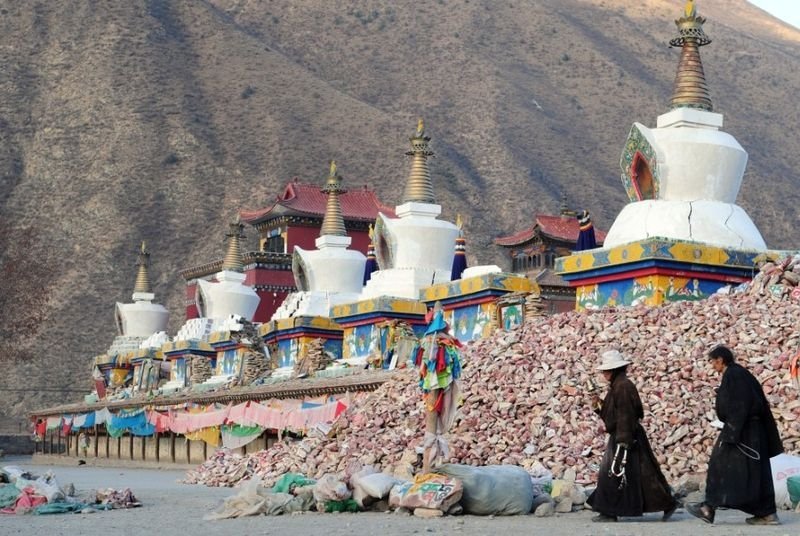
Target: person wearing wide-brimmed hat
{"x":630,"y":481}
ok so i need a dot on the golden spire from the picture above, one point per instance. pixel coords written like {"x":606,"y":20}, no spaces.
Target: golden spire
{"x":233,"y":256}
{"x":690,"y":89}
{"x":419,"y":188}
{"x":333,"y":222}
{"x":371,"y":232}
{"x":142,"y":277}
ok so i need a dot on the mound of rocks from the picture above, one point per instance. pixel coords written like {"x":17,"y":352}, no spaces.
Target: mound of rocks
{"x":527,"y":392}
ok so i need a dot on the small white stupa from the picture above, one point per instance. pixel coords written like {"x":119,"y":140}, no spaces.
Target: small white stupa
{"x":414,"y":250}
{"x":683,"y":177}
{"x":141,"y":319}
{"x":228,"y":296}
{"x":331,"y":274}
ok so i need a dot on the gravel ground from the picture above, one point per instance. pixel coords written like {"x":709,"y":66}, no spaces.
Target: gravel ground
{"x":172,"y":508}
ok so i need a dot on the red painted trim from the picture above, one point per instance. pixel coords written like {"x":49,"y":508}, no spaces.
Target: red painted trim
{"x":659,"y":271}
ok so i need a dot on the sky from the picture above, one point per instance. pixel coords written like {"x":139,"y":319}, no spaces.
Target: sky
{"x":786,"y":10}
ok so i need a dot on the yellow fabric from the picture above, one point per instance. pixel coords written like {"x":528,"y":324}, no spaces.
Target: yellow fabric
{"x":209,"y":435}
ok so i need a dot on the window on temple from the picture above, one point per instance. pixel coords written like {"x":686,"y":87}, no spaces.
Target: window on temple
{"x":274,"y":244}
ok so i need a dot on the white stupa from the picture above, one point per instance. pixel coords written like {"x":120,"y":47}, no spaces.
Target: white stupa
{"x":331,"y":274}
{"x":140,"y":320}
{"x":227,"y":296}
{"x":222,"y":302}
{"x":683,"y":177}
{"x":414,"y":250}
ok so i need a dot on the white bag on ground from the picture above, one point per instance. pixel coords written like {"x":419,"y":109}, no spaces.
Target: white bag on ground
{"x":375,"y":485}
{"x":13,"y":472}
{"x":46,"y":486}
{"x":492,"y":489}
{"x":248,"y":502}
{"x":783,"y":466}
{"x":330,"y":488}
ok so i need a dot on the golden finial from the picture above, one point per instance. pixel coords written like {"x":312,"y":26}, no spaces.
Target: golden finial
{"x":419,"y":188}
{"x":689,"y":10}
{"x":371,"y":232}
{"x":333,"y":222}
{"x":690,"y":89}
{"x":233,"y":256}
{"x":459,"y":221}
{"x":142,"y":284}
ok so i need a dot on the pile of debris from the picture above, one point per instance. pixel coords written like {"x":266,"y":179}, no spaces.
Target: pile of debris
{"x":254,"y":367}
{"x":779,"y":278}
{"x":315,"y":358}
{"x":526,"y":392}
{"x":201,"y":369}
{"x":24,"y":493}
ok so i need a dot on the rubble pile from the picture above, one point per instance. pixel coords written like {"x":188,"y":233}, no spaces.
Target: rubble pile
{"x":254,"y":366}
{"x":779,"y":278}
{"x":527,"y":392}
{"x":534,"y":306}
{"x":201,"y":369}
{"x":314,"y":359}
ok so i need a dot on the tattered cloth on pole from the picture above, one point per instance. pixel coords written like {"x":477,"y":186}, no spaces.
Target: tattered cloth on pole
{"x":53,"y":422}
{"x":101,"y":416}
{"x":235,"y":436}
{"x":210,"y":435}
{"x":134,"y":422}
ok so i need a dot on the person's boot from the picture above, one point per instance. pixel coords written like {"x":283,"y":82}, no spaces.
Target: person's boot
{"x":701,"y":511}
{"x":771,"y":519}
{"x":669,"y":511}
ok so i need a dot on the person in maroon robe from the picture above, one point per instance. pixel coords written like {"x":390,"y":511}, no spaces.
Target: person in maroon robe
{"x":739,"y":473}
{"x":630,"y":481}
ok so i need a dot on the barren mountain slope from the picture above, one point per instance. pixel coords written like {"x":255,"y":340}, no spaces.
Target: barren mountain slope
{"x":157,"y":120}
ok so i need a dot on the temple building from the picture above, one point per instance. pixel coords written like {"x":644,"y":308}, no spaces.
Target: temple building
{"x":294,"y":219}
{"x":533,"y":252}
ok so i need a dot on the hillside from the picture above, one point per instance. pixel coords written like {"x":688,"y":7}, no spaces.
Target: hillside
{"x":158,"y":120}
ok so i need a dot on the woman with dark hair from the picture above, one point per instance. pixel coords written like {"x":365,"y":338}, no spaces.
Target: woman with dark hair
{"x":739,"y":473}
{"x":630,"y":482}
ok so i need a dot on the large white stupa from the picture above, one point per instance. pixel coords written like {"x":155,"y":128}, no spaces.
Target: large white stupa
{"x":332,"y":273}
{"x":683,"y":177}
{"x":414,"y":250}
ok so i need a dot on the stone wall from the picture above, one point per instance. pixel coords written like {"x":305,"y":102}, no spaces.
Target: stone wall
{"x":163,"y":449}
{"x":16,"y":444}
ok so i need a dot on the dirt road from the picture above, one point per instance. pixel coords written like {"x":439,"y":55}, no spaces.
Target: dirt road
{"x":170,"y":508}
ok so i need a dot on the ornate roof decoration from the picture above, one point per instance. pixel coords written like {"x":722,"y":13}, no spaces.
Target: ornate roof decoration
{"x":233,"y":256}
{"x":142,"y":276}
{"x":333,"y":222}
{"x":690,"y":89}
{"x":419,"y":188}
{"x":557,"y":227}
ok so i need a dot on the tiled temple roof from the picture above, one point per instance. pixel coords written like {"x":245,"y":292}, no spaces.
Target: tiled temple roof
{"x":557,"y":227}
{"x":308,"y":200}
